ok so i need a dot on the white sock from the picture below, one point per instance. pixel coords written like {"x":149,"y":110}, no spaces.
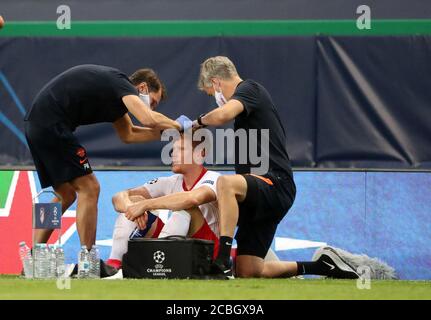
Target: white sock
{"x":177,"y":225}
{"x":120,"y":237}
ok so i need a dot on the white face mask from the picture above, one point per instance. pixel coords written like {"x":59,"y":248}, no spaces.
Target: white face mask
{"x":146,"y":99}
{"x":219,"y":98}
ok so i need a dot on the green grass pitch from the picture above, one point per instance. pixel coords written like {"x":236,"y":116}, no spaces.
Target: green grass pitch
{"x":13,"y":287}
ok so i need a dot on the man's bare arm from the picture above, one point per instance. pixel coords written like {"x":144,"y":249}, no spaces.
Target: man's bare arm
{"x":182,"y":200}
{"x":123,"y":199}
{"x":224,"y":114}
{"x":129,"y":133}
{"x":148,"y":117}
{"x":174,"y":202}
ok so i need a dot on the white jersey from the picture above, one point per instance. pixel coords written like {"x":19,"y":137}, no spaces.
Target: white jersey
{"x":167,"y":185}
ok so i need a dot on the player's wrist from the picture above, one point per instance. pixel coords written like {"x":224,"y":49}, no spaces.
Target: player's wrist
{"x":146,"y":205}
{"x":142,"y":207}
{"x":200,"y":119}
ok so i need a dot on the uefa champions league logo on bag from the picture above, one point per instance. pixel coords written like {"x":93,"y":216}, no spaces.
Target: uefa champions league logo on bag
{"x":159,"y":257}
{"x":159,"y":270}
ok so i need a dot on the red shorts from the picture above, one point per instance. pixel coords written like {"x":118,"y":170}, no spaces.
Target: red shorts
{"x":158,"y":229}
{"x":206,"y":233}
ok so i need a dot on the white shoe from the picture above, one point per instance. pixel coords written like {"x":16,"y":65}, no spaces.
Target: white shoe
{"x":118,"y":275}
{"x":69,"y":270}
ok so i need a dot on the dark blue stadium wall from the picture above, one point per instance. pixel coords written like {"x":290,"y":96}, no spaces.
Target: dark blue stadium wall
{"x":347,"y":102}
{"x":379,"y":214}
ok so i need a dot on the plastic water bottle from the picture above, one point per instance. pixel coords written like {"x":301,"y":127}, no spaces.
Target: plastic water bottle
{"x":59,"y":257}
{"x":94,"y":262}
{"x":37,"y":260}
{"x":45,"y":260}
{"x":26,"y":259}
{"x":41,"y":261}
{"x":52,"y":261}
{"x":83,"y":263}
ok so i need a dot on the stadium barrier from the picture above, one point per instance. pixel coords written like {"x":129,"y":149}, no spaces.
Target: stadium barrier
{"x":346,"y":101}
{"x":381,"y":214}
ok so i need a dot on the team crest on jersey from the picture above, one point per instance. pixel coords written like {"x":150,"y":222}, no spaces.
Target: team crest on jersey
{"x":208,"y":181}
{"x":80,"y":152}
{"x":153,"y":181}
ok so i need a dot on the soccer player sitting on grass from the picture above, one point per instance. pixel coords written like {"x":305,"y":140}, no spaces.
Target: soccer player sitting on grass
{"x":190,"y":193}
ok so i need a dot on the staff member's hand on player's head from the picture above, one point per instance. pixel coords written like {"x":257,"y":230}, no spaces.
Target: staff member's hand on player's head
{"x":184,"y":122}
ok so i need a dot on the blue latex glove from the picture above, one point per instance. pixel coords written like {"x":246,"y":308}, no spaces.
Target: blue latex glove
{"x":184,"y":122}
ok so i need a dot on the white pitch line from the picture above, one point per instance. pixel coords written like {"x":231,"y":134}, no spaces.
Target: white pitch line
{"x":32,"y":183}
{"x":69,"y":214}
{"x":69,"y":232}
{"x":104,"y":243}
{"x":282,"y":243}
{"x":5,"y":212}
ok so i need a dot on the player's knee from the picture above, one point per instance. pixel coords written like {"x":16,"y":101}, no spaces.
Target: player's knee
{"x":67,"y":194}
{"x":94,"y":188}
{"x":116,"y":200}
{"x":89,"y":186}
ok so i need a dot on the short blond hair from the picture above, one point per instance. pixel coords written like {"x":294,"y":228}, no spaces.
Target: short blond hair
{"x":215,"y":67}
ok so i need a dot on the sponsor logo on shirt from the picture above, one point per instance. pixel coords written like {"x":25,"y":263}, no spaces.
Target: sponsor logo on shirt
{"x":152,"y":181}
{"x":208,"y":181}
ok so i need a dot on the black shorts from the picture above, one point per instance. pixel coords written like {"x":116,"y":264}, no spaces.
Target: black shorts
{"x":268,"y":199}
{"x":57,"y":154}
